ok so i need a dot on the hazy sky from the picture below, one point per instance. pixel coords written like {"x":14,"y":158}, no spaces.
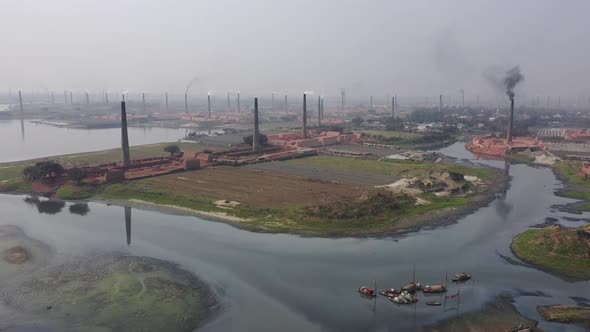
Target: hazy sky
{"x":258,"y":46}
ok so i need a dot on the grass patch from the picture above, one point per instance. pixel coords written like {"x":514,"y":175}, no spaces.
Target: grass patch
{"x":403,"y":168}
{"x":571,"y":173}
{"x":574,"y":194}
{"x":143,"y":191}
{"x":568,"y":314}
{"x":521,"y":157}
{"x":75,"y":192}
{"x":562,"y":251}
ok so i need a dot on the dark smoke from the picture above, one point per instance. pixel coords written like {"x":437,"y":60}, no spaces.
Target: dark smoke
{"x":512,"y":78}
{"x":504,"y":81}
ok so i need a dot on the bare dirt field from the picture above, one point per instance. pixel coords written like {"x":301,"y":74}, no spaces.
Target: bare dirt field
{"x":250,"y":186}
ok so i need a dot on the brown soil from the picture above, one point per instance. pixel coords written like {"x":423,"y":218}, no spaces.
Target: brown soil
{"x":254,"y":187}
{"x":17,"y":255}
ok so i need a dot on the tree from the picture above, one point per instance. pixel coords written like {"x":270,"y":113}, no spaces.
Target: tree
{"x":357,"y":121}
{"x":32,"y":173}
{"x":41,"y":169}
{"x":78,"y":174}
{"x":173,"y":149}
{"x":262,"y":139}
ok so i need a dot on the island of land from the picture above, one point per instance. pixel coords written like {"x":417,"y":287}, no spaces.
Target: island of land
{"x":387,"y":191}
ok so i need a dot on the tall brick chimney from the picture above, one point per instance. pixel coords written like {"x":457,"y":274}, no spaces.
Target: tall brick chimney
{"x":125,"y":156}
{"x":255,"y":140}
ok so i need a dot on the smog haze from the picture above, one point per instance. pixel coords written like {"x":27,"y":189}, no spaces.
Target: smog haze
{"x":368,"y":47}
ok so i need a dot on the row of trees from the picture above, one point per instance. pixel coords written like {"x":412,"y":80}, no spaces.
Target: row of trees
{"x":51,"y":170}
{"x":43,"y":169}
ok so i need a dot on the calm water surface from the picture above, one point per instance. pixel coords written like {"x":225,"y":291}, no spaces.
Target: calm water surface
{"x":270,"y":282}
{"x":21,"y":140}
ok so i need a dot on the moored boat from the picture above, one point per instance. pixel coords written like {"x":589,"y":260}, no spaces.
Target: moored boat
{"x":389,"y":292}
{"x":412,"y":287}
{"x":462,"y":277}
{"x":434,"y":303}
{"x":434,"y":289}
{"x":403,"y":298}
{"x":364,"y":290}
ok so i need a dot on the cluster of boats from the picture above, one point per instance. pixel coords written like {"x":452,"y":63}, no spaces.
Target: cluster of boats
{"x":405,"y":295}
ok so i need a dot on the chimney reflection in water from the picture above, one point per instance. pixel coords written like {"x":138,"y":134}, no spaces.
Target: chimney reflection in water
{"x":128,"y":224}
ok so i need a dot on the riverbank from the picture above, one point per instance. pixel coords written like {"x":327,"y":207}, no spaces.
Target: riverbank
{"x":564,"y":252}
{"x":279,"y":202}
{"x":567,"y":314}
{"x":557,"y":250}
{"x":316,"y":196}
{"x":498,"y":315}
{"x":576,"y":185}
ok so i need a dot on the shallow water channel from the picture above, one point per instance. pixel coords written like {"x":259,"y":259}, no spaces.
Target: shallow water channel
{"x":270,"y":282}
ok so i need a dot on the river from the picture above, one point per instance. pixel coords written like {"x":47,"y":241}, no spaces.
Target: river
{"x":22,"y":140}
{"x":270,"y":282}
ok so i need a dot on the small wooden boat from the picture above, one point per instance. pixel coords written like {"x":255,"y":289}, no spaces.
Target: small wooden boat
{"x":403,"y":298}
{"x":389,"y":292}
{"x":461,"y":277}
{"x":434,"y":289}
{"x":410,"y":288}
{"x":367,"y":291}
{"x":433,"y":303}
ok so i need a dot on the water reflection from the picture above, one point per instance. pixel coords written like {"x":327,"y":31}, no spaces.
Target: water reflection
{"x":80,"y":209}
{"x":50,"y":206}
{"x":128,"y":224}
{"x":503,"y":208}
{"x":22,"y":129}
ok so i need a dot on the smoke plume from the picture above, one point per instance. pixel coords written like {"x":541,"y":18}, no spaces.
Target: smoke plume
{"x":190,"y":84}
{"x":504,"y":81}
{"x":512,"y":78}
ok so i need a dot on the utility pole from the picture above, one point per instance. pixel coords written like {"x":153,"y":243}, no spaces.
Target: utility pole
{"x":239,"y":102}
{"x":166,"y":100}
{"x":393,"y":107}
{"x":228,"y":104}
{"x":52,"y":98}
